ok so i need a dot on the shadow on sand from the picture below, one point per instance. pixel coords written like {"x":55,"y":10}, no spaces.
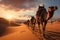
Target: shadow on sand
{"x":51,"y":35}
{"x":3,"y":26}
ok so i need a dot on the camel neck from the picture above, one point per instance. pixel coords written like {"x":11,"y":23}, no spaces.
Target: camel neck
{"x":51,"y":12}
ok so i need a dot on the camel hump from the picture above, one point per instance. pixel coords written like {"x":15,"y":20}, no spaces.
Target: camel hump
{"x":41,"y":11}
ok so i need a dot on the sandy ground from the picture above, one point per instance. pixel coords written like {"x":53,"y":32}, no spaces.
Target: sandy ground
{"x":55,"y":26}
{"x":18,"y":33}
{"x":23,"y":33}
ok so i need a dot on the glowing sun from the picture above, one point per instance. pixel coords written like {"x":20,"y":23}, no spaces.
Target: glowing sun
{"x":9,"y":16}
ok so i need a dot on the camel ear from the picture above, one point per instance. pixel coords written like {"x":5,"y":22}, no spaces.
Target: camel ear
{"x":56,"y":7}
{"x":49,"y":9}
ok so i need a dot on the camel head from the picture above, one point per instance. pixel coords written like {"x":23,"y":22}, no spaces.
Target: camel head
{"x":32,"y":17}
{"x":52,"y":8}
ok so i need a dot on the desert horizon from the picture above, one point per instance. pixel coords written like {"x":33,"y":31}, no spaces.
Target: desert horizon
{"x":23,"y":32}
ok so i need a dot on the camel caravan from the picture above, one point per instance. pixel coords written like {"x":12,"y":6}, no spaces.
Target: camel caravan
{"x":42,"y":17}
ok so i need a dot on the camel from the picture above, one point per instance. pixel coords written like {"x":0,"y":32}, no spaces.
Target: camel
{"x":40,"y":15}
{"x":28,"y":22}
{"x":44,"y":17}
{"x":32,"y":22}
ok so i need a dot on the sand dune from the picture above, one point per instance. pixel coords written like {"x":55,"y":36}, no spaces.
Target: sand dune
{"x":18,"y":33}
{"x":23,"y":33}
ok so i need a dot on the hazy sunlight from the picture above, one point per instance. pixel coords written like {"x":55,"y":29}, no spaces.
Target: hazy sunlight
{"x":9,"y":16}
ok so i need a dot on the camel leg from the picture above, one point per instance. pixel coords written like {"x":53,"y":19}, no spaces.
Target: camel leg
{"x":33,"y":27}
{"x":28,"y":24}
{"x":44,"y":28}
{"x":39,"y":26}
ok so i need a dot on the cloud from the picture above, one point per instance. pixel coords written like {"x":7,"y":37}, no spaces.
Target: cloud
{"x":20,"y":4}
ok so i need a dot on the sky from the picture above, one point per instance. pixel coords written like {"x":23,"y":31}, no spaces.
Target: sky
{"x":20,"y":9}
